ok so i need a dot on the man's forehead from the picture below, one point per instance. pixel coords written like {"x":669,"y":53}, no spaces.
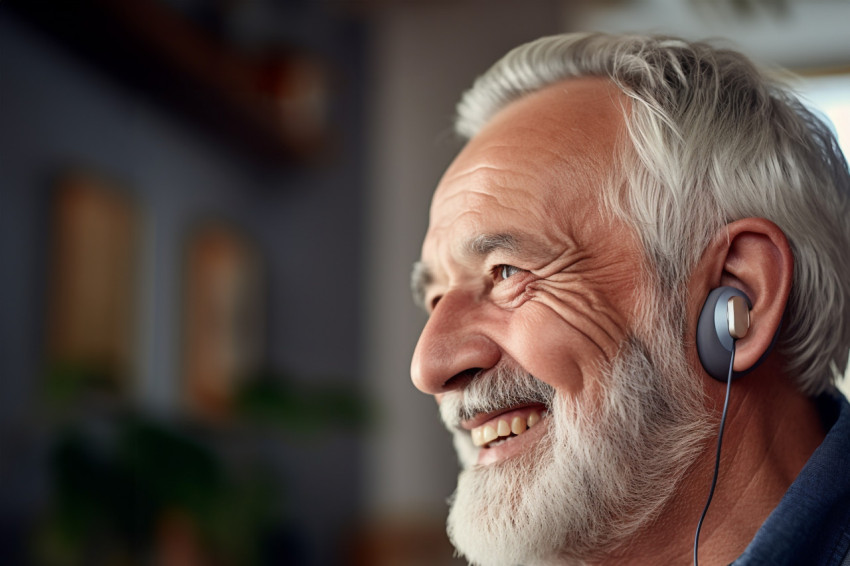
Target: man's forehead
{"x":536,"y":144}
{"x":581,"y":115}
{"x":575,"y":109}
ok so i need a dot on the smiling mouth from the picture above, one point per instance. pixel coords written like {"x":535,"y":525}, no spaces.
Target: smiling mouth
{"x":505,"y":427}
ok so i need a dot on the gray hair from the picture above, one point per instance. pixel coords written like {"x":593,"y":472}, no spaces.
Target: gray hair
{"x":711,"y":139}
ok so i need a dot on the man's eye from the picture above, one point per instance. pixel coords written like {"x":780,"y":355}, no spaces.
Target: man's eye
{"x":506,"y":271}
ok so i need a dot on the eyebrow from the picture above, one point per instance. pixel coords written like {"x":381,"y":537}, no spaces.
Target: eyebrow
{"x":485,"y":244}
{"x":479,"y":246}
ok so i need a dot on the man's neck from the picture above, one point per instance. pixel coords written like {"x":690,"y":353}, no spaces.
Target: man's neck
{"x":770,"y":433}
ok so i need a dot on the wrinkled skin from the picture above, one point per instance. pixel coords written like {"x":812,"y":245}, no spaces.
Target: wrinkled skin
{"x":567,"y":299}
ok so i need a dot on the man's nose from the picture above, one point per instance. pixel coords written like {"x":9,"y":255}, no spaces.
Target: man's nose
{"x":453,"y":345}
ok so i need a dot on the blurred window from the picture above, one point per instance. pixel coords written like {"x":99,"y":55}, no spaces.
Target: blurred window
{"x":830,"y":94}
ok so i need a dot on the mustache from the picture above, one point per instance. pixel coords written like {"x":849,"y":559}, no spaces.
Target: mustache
{"x":493,"y":390}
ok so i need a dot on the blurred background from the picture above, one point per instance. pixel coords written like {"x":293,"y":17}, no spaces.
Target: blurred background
{"x":209,"y":213}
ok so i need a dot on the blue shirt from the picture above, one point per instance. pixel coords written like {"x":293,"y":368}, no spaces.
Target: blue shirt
{"x":811,"y":524}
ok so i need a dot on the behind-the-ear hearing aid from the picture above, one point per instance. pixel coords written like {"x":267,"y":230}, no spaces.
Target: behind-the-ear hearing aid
{"x":725,"y":317}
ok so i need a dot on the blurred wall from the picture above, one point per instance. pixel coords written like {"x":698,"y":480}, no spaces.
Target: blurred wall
{"x":424,"y":55}
{"x":57,"y":111}
{"x":801,"y":34}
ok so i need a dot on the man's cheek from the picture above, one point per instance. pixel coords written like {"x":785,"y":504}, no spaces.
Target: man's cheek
{"x":560,"y":348}
{"x":588,"y":309}
{"x":551,"y":353}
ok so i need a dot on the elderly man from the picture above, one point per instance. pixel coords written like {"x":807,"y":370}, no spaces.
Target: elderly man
{"x":632,"y":225}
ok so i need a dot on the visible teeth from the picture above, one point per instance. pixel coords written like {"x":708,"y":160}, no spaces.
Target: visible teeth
{"x":478,"y":436}
{"x":486,"y":434}
{"x":518,"y":425}
{"x":489,"y":434}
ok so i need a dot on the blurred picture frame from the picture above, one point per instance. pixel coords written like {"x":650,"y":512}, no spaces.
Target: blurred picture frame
{"x":92,"y":275}
{"x":223,"y":322}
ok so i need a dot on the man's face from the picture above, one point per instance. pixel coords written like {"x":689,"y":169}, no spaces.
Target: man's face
{"x":534,"y":296}
{"x":522,"y":268}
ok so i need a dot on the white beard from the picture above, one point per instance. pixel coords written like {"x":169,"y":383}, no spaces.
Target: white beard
{"x":598,"y":475}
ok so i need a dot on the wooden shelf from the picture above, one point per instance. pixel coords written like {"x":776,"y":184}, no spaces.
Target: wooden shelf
{"x":271,"y":106}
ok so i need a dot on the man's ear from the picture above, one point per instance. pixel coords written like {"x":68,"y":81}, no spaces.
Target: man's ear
{"x":753,"y":255}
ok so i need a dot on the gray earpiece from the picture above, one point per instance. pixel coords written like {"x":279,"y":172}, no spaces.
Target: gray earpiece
{"x":725,"y":317}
